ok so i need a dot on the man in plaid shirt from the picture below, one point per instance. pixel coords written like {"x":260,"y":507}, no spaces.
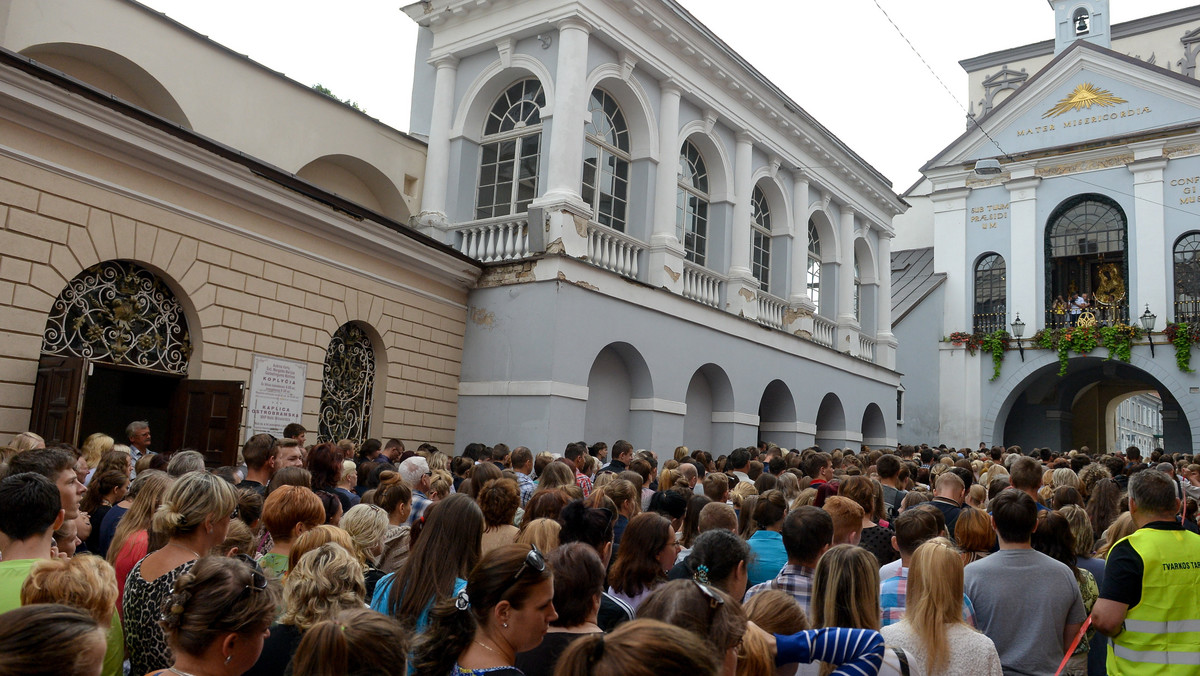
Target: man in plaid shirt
{"x":913,"y":528}
{"x":577,"y":455}
{"x":522,"y":464}
{"x":807,"y":533}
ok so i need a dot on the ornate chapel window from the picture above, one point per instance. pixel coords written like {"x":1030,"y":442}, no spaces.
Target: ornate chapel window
{"x":117,"y":312}
{"x":1187,"y":278}
{"x":347,"y":385}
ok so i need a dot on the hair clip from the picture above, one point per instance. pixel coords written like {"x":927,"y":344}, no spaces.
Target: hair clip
{"x":701,"y":574}
{"x":462,"y":601}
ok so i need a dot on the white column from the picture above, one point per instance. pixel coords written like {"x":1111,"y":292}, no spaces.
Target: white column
{"x":564,"y":213}
{"x":565,"y":158}
{"x":1150,"y":271}
{"x":950,"y":254}
{"x":845,"y":291}
{"x":847,"y":329}
{"x":742,"y":296}
{"x":885,"y":341}
{"x":665,"y":253}
{"x":437,"y":158}
{"x":799,"y":319}
{"x":739,"y":250}
{"x":1025,"y":264}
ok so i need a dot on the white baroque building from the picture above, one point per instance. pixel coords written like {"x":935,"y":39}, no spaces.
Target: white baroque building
{"x":1077,"y":174}
{"x":675,"y":251}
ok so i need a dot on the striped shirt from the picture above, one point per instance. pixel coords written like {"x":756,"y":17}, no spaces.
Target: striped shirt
{"x":857,"y":652}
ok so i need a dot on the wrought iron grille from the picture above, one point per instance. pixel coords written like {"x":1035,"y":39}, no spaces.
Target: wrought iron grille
{"x":347,"y":385}
{"x":118,"y":312}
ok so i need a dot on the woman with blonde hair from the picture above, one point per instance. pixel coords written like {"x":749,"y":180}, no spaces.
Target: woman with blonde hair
{"x":1121,"y":528}
{"x":324,"y":582}
{"x":806,"y":498}
{"x":131,"y":541}
{"x":366,"y":525}
{"x":933,"y":633}
{"x":775,"y":612}
{"x":193,"y":516}
{"x":556,"y":475}
{"x":27,"y":441}
{"x":84,"y":582}
{"x":315,"y":538}
{"x":542,"y":533}
{"x":92,"y":449}
{"x":845,"y":593}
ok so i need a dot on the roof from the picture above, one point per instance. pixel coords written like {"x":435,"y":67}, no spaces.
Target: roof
{"x":1119,"y":31}
{"x":256,"y":166}
{"x":913,"y":279}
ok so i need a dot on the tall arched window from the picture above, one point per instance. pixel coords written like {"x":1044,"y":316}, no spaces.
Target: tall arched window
{"x":760,"y":246}
{"x":691,"y":205}
{"x":1085,"y":253}
{"x":347,"y":385}
{"x":814,"y":264}
{"x":857,"y":291}
{"x":1187,"y":278}
{"x":990,"y":306}
{"x":511,"y":147}
{"x":606,"y":161}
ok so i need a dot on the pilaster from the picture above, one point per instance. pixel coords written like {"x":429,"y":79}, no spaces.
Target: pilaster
{"x":1149,"y":274}
{"x":665,"y":253}
{"x":1027,"y":247}
{"x":742,"y":296}
{"x":437,"y":159}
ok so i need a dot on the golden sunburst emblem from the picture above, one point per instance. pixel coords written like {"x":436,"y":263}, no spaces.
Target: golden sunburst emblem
{"x":1085,"y":96}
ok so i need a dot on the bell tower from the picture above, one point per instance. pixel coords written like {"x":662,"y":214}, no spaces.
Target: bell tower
{"x":1080,"y":20}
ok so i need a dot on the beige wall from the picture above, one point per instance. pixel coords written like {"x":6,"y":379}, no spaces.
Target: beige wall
{"x":259,"y":268}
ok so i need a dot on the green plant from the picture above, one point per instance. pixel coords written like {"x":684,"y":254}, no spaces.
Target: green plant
{"x":995,"y":343}
{"x":1182,"y":335}
{"x":1119,"y":340}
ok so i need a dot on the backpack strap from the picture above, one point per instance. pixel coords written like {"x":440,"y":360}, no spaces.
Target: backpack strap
{"x":904,"y":671}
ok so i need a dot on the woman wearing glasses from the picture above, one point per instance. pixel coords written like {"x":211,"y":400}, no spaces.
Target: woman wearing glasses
{"x":194,"y":515}
{"x":217,"y":617}
{"x":506,"y":608}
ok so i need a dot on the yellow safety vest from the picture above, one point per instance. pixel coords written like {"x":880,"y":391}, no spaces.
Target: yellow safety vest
{"x":1162,"y":632}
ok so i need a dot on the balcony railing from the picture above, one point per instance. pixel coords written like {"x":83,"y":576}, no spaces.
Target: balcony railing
{"x":495,"y":239}
{"x":612,"y":250}
{"x":823,"y":331}
{"x":701,"y":284}
{"x":1105,"y":315}
{"x":991,"y":322}
{"x":866,"y":348}
{"x":1187,"y":311}
{"x":771,"y":310}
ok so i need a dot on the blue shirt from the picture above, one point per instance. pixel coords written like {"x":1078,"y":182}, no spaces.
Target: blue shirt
{"x":526,"y":486}
{"x":383,"y":590}
{"x":767,"y":556}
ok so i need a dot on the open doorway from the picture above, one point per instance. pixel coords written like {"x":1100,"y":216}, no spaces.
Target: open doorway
{"x":117,"y":396}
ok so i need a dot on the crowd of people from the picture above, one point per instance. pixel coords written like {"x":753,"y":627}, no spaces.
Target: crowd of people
{"x":349,"y":558}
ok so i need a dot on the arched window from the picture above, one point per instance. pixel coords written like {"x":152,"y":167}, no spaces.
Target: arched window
{"x":1187,"y":278}
{"x":760,"y":246}
{"x":606,"y":161}
{"x":857,"y":291}
{"x":1085,"y":253}
{"x":814,"y":263}
{"x":347,"y":385}
{"x":691,"y":205}
{"x":990,"y":307}
{"x":511,"y":148}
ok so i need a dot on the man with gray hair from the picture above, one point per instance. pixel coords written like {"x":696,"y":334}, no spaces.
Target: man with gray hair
{"x":415,"y":474}
{"x":1150,"y":600}
{"x":138,"y":433}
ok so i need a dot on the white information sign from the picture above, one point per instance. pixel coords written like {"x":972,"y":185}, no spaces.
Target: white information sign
{"x":276,"y":394}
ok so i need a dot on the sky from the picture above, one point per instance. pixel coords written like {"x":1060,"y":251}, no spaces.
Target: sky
{"x":843,"y":61}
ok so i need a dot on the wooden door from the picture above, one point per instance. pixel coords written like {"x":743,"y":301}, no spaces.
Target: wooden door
{"x":58,"y":397}
{"x":206,"y":416}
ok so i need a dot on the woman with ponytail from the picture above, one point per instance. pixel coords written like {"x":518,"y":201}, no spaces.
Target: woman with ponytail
{"x":506,"y":608}
{"x":357,"y":641}
{"x":194,"y":516}
{"x":216,"y":617}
